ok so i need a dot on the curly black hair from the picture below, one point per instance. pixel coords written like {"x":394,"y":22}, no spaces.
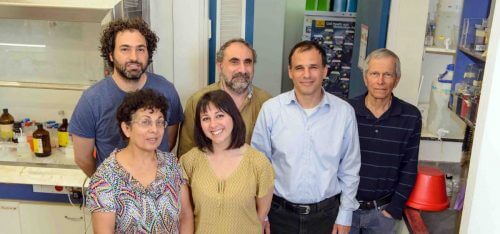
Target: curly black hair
{"x":108,"y":36}
{"x":141,"y":99}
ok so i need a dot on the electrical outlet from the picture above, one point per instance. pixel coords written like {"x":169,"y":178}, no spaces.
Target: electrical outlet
{"x":76,"y":195}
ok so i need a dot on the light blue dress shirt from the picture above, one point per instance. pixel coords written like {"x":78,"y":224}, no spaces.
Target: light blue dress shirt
{"x":314,"y":157}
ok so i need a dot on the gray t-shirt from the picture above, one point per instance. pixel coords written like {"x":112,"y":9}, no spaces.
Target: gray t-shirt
{"x":95,"y":114}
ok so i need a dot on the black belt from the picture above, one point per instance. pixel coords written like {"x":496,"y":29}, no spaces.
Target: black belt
{"x":305,"y":209}
{"x":368,"y":205}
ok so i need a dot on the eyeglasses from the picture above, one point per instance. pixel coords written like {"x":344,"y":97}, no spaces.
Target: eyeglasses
{"x":146,"y":123}
{"x":378,"y":74}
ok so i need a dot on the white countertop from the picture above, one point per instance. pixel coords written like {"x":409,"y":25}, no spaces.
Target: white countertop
{"x":56,"y":169}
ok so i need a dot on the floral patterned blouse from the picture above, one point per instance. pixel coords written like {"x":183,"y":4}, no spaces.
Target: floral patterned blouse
{"x":138,"y":209}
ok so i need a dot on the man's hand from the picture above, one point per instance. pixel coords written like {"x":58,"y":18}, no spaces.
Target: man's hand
{"x":386,"y":214}
{"x":341,"y":229}
{"x":267,"y":226}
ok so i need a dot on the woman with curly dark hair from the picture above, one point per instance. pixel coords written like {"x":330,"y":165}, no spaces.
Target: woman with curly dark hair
{"x":140,"y":189}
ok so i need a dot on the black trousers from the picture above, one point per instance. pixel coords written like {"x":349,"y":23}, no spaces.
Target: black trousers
{"x":283,"y":220}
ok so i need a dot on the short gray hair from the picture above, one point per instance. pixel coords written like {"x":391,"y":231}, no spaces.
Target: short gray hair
{"x":220,"y":53}
{"x":383,"y":53}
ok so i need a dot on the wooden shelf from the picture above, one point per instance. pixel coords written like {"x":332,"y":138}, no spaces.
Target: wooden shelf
{"x":438,"y":50}
{"x":474,"y":54}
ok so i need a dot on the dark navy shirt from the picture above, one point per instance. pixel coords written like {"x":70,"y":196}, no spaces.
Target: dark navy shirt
{"x":389,"y":152}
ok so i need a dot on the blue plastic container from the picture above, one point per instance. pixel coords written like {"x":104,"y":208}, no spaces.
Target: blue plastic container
{"x":351,"y":5}
{"x":339,"y":5}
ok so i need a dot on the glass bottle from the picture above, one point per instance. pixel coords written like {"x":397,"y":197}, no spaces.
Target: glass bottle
{"x":449,"y":185}
{"x":23,"y":148}
{"x":62,"y":133}
{"x":6,"y":125}
{"x":41,"y":141}
{"x":17,"y":131}
{"x":51,"y":127}
{"x":28,"y":132}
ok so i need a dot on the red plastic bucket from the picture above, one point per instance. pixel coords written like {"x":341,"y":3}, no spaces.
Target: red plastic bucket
{"x":429,"y":193}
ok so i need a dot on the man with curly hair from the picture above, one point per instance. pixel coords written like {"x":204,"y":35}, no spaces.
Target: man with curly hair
{"x":127,"y":46}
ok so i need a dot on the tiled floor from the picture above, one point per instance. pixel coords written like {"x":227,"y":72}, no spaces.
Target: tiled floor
{"x":443,"y":222}
{"x":446,"y":221}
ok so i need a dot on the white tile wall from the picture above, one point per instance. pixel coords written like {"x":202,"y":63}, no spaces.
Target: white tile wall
{"x":71,"y":56}
{"x":443,"y":151}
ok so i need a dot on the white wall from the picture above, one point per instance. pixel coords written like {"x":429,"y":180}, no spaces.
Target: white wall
{"x":277,"y":28}
{"x":39,"y":104}
{"x":190,"y":46}
{"x":481,"y":207}
{"x":269,"y":28}
{"x":405,"y":36}
{"x":294,"y":24}
{"x":70,"y":56}
{"x":162,"y":23}
{"x":440,"y":151}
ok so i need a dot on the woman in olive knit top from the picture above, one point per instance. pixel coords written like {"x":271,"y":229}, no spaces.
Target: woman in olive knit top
{"x":231,"y":183}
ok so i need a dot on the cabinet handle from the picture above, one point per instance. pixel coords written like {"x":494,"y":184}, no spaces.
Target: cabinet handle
{"x":73,"y":218}
{"x":8,"y":208}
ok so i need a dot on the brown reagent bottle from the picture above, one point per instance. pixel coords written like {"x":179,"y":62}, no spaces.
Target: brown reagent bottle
{"x":62,"y":133}
{"x":41,"y":141}
{"x":6,"y":125}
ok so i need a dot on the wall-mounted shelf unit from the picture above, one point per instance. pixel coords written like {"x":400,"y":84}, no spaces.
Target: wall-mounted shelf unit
{"x":438,"y":50}
{"x":57,"y":10}
{"x":466,"y":56}
{"x":474,"y":54}
{"x":39,"y":85}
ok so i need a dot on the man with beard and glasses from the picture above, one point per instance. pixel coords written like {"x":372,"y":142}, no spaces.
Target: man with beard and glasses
{"x":235,"y":63}
{"x":128,"y":47}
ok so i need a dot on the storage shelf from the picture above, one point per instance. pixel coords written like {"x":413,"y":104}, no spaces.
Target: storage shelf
{"x":472,"y":53}
{"x":330,"y":13}
{"x":438,"y":50}
{"x":466,"y":121}
{"x":61,"y":10}
{"x":36,"y":85}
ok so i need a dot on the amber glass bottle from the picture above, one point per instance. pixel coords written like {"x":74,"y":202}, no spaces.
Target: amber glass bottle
{"x":6,"y":125}
{"x":62,"y":133}
{"x":41,"y":141}
{"x":17,"y":131}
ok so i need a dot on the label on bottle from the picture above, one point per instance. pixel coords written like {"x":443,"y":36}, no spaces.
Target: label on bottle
{"x":63,"y":138}
{"x":38,"y":145}
{"x":6,"y":131}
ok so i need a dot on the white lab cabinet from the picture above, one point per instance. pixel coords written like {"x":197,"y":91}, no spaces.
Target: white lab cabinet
{"x":53,"y":218}
{"x":9,"y":217}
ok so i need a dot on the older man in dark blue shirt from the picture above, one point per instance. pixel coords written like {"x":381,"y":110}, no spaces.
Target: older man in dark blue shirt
{"x":389,"y":132}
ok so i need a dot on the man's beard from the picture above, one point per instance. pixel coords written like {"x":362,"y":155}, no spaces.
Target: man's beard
{"x":238,"y":83}
{"x":134,"y":74}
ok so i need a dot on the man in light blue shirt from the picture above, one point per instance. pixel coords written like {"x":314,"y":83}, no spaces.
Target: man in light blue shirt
{"x":311,"y":138}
